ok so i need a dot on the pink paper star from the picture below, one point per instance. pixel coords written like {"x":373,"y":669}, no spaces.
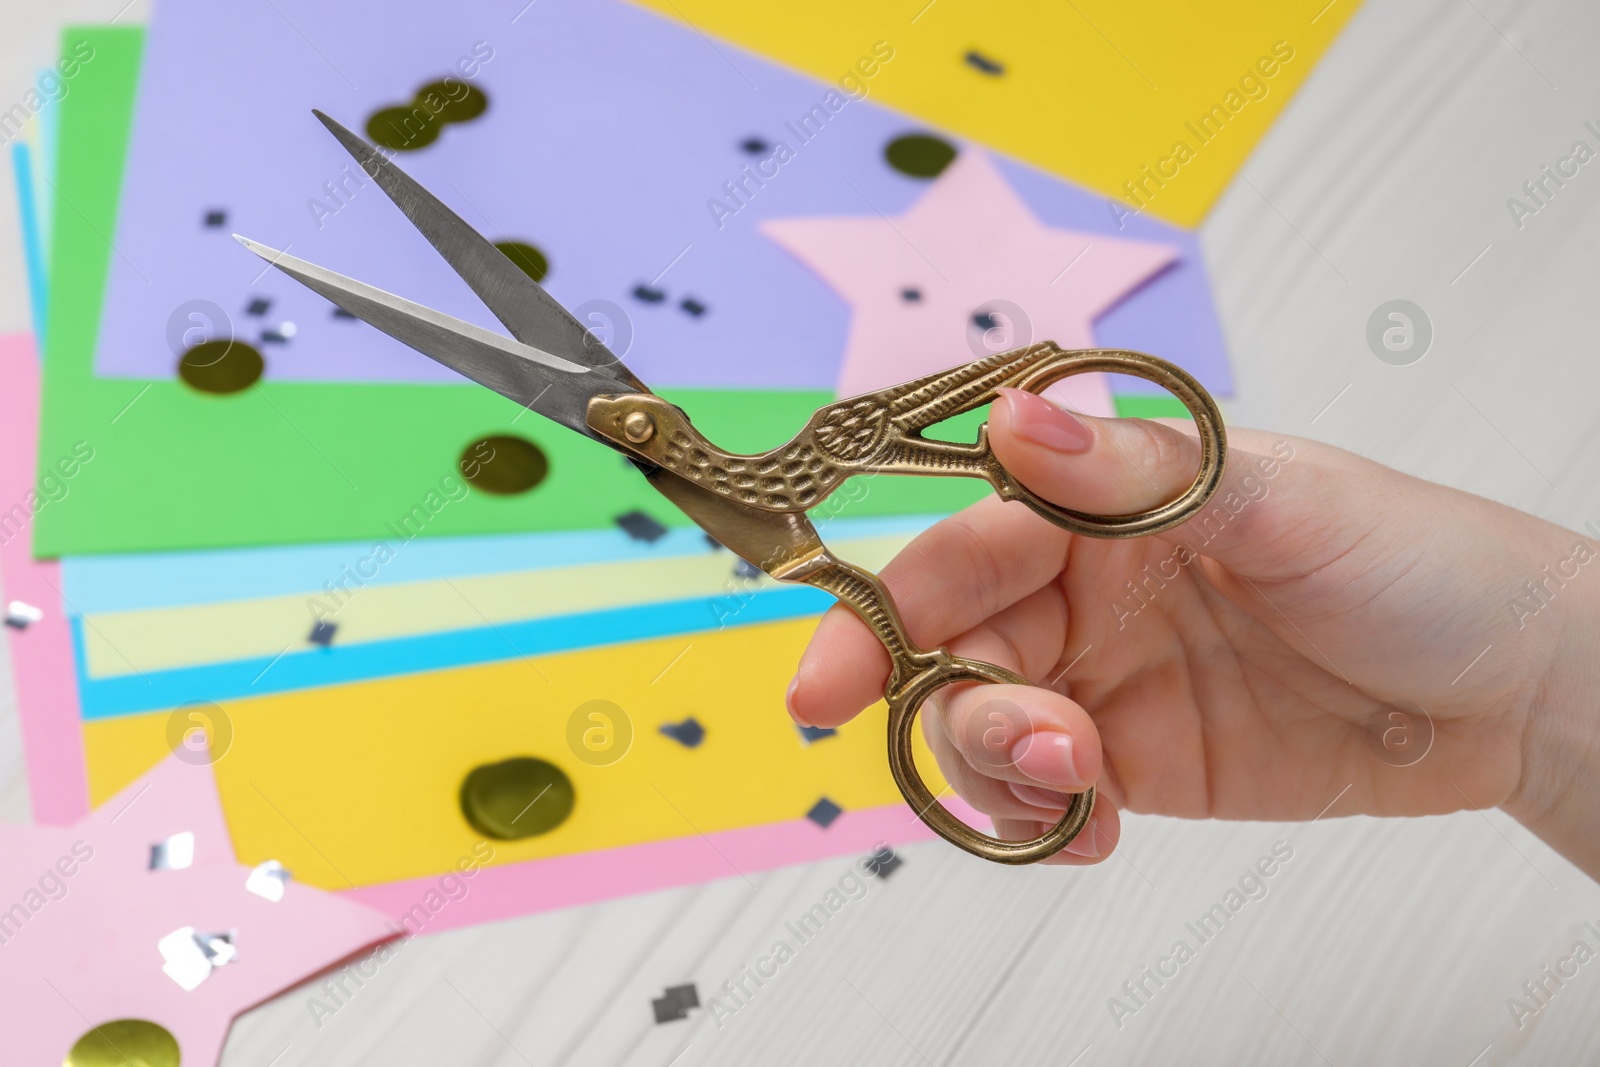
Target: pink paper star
{"x":83,"y":916}
{"x":969,"y":248}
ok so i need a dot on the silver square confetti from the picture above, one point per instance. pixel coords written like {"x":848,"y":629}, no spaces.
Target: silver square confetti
{"x":268,"y":880}
{"x":20,"y":614}
{"x":191,"y":957}
{"x":175,"y":853}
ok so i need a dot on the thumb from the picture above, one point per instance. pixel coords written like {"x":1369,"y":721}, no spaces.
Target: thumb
{"x":1268,"y":510}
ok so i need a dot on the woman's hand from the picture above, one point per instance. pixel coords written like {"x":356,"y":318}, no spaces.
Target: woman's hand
{"x":1327,"y":633}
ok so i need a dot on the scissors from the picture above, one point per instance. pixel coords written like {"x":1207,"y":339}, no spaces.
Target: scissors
{"x":755,"y":505}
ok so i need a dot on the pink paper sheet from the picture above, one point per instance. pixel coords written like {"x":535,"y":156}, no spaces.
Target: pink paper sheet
{"x":41,"y":655}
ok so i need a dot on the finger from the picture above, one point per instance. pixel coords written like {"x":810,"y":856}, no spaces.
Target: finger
{"x":1005,"y":800}
{"x":1281,"y":502}
{"x":1001,"y":800}
{"x":991,"y":795}
{"x":1022,"y":734}
{"x":1105,"y":466}
{"x":945,"y":582}
{"x":841,"y":673}
{"x":1093,"y":844}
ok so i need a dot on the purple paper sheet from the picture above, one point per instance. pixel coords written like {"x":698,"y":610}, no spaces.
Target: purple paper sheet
{"x":609,"y":129}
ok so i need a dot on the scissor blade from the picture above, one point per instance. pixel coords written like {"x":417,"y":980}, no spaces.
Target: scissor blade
{"x":533,"y":316}
{"x":554,"y":387}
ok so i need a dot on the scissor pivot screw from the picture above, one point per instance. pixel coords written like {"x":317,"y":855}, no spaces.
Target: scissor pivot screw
{"x":638,"y":427}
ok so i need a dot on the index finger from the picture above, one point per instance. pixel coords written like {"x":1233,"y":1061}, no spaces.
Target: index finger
{"x":952,"y":577}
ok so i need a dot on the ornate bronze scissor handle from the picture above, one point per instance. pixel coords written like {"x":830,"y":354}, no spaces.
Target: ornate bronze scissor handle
{"x":756,"y":504}
{"x":914,"y":677}
{"x":881,"y":433}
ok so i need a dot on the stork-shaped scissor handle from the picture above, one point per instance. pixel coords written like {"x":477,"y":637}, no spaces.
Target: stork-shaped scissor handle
{"x":881,"y":433}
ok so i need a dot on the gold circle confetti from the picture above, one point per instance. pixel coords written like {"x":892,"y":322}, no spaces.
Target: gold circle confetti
{"x":124,"y":1043}
{"x":221,"y":367}
{"x":504,"y":464}
{"x":516,"y":798}
{"x":919,"y":155}
{"x":528,"y":258}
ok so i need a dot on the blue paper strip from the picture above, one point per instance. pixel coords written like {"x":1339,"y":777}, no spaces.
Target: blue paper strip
{"x":103,"y":698}
{"x":32,"y":243}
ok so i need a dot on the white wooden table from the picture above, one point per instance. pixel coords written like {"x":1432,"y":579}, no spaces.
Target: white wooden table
{"x":1377,"y":942}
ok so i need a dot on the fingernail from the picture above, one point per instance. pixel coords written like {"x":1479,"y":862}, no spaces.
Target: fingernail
{"x":788,"y":701}
{"x":1087,"y":843}
{"x":1046,"y":756}
{"x":1048,"y":799}
{"x":1035,"y":419}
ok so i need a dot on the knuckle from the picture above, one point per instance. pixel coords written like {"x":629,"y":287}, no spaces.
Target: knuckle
{"x":995,"y":800}
{"x":978,"y":559}
{"x":1159,"y":451}
{"x":972,"y":784}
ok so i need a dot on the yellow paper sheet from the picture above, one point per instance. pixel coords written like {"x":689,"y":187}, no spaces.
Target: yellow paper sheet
{"x":359,"y":783}
{"x":1092,"y":90}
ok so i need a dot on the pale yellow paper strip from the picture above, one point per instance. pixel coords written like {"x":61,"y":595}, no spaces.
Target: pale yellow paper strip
{"x":160,"y":639}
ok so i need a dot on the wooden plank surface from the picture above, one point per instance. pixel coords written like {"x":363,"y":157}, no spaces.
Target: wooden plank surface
{"x":1379,"y":941}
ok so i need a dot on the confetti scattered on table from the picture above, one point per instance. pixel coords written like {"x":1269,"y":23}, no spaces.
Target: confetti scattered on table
{"x":268,"y":880}
{"x":884,"y":862}
{"x":516,"y":798}
{"x":20,"y":615}
{"x":173,"y":853}
{"x":688,"y":733}
{"x":675,"y":1003}
{"x":641,"y":527}
{"x":529,"y":259}
{"x":978,"y":60}
{"x":823,"y":812}
{"x":221,"y":367}
{"x":190,"y":956}
{"x":125,"y":1041}
{"x":503,"y":464}
{"x":407,"y":127}
{"x":919,"y":155}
